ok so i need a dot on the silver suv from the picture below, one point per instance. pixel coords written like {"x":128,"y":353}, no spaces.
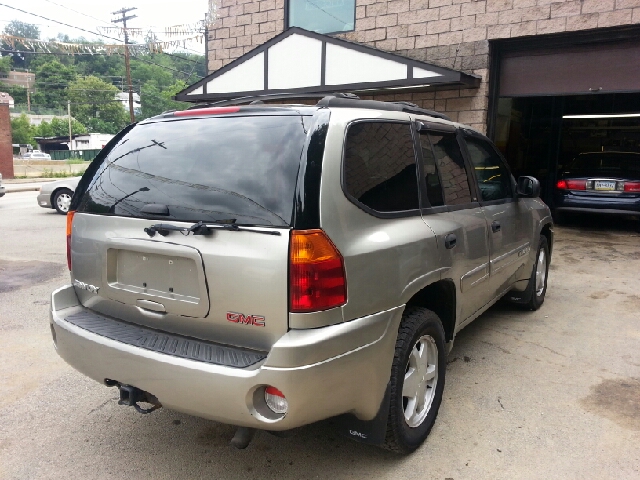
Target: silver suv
{"x":272,"y":266}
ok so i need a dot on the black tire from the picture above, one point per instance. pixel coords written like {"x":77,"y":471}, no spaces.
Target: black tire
{"x":416,"y":324}
{"x":537,"y":294}
{"x":57,"y":202}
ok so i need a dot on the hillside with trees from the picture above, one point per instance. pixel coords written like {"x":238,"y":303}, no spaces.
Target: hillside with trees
{"x":90,"y":82}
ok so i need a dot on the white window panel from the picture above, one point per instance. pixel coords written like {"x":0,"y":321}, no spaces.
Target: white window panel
{"x":422,"y":73}
{"x":295,"y":62}
{"x":197,"y":91}
{"x":246,"y":77}
{"x":344,"y":66}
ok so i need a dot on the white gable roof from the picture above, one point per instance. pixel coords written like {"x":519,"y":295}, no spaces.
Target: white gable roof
{"x":299,"y":61}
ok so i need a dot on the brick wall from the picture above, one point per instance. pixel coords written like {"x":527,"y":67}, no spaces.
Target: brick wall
{"x":6,"y":151}
{"x":448,"y":33}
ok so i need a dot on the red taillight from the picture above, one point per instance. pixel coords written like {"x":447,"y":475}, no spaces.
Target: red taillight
{"x":316,"y":273}
{"x":206,"y":111}
{"x":69,"y":226}
{"x":571,"y":185}
{"x":632,"y":186}
{"x":577,"y":184}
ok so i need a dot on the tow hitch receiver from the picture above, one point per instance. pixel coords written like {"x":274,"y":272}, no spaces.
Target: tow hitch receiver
{"x":131,"y":396}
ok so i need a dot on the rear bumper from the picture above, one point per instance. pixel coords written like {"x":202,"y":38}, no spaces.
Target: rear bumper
{"x":621,"y":205}
{"x":44,"y":200}
{"x":322,"y":372}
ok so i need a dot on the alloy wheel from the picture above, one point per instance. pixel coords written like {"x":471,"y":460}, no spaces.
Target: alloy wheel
{"x":541,"y":272}
{"x":420,"y":380}
{"x":63,"y":201}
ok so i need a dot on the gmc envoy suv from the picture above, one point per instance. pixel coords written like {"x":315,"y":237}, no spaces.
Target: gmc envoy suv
{"x":270,"y":266}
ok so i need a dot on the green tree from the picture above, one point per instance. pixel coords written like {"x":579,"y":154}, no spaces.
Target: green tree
{"x":94,"y":104}
{"x":59,"y":127}
{"x":155,"y":101}
{"x":52,"y":81}
{"x":22,"y":130}
{"x":17,"y":28}
{"x":22,"y":29}
{"x":5,"y":65}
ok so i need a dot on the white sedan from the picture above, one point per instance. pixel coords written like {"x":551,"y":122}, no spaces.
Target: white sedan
{"x":58,"y":194}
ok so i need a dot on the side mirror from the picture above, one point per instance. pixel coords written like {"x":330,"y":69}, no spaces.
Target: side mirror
{"x":528,"y":187}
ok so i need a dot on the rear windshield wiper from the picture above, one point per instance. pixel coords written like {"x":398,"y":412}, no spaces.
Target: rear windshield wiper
{"x":202,"y":228}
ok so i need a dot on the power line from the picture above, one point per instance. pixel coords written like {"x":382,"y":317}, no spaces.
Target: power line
{"x":76,"y":11}
{"x":83,"y":29}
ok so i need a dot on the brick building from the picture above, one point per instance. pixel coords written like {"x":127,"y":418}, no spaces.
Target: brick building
{"x":545,"y":79}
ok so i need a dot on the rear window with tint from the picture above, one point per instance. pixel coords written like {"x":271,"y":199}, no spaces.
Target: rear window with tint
{"x":611,"y":163}
{"x":209,"y":169}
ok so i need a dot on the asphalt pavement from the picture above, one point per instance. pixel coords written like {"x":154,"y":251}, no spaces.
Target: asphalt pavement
{"x":552,"y":394}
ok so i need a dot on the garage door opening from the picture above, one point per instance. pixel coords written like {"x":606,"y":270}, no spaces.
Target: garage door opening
{"x":540,"y":135}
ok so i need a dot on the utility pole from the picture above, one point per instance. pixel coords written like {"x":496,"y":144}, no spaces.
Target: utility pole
{"x":69,"y":115}
{"x":123,"y":19}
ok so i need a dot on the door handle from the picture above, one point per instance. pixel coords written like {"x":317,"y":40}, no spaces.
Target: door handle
{"x":450,"y":241}
{"x":495,"y":226}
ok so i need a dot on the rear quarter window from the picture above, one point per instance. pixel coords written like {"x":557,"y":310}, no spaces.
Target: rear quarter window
{"x":380,"y":166}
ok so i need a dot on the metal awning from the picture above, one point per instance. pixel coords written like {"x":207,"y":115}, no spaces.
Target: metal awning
{"x":299,"y":61}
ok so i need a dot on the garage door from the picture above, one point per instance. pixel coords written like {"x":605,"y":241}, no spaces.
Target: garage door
{"x":603,"y":68}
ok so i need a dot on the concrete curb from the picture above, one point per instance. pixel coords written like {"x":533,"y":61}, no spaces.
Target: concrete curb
{"x":21,"y":189}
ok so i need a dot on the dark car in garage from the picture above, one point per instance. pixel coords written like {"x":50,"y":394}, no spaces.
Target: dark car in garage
{"x":599,"y":182}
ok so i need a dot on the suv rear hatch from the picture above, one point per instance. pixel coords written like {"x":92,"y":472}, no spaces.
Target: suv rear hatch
{"x":136,"y":254}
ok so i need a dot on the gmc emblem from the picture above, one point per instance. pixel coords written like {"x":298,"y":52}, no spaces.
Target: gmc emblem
{"x":255,"y":320}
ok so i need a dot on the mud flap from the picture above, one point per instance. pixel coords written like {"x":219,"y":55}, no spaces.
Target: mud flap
{"x":521,"y":298}
{"x":371,"y":431}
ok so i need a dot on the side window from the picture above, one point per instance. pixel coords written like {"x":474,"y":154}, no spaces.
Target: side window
{"x":380,"y":166}
{"x":434,"y":188}
{"x":493,"y":177}
{"x":450,"y":164}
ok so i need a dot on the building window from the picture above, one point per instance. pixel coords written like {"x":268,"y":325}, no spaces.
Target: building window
{"x":322,"y":16}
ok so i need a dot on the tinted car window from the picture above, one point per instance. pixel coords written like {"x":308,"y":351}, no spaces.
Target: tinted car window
{"x":434,"y":188}
{"x":606,"y":163}
{"x":380,"y":166}
{"x":209,"y":169}
{"x":493,"y":177}
{"x":451,"y":167}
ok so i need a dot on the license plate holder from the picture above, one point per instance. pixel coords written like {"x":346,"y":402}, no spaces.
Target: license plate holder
{"x":604,"y":185}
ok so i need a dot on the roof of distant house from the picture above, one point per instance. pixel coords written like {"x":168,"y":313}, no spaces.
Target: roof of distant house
{"x":5,"y":98}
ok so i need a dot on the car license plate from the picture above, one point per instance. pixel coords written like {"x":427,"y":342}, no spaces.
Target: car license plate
{"x":602,"y":185}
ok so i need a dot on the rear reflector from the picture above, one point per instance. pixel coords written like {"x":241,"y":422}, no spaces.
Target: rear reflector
{"x":206,"y":111}
{"x":632,"y":186}
{"x":70,"y":215}
{"x":316,"y":273}
{"x":275,"y":400}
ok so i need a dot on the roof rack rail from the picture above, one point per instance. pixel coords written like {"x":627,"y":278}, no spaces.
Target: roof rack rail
{"x":258,"y":99}
{"x":338,"y":99}
{"x":351,"y":102}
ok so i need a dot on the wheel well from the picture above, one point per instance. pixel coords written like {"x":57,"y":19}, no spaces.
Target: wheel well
{"x":548,"y":233}
{"x":53,"y":194}
{"x":439,"y":297}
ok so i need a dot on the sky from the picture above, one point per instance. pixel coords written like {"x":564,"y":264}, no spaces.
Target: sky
{"x":89,"y":14}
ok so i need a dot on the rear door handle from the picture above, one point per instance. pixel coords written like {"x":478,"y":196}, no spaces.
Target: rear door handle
{"x":495,"y":227}
{"x":450,"y":241}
